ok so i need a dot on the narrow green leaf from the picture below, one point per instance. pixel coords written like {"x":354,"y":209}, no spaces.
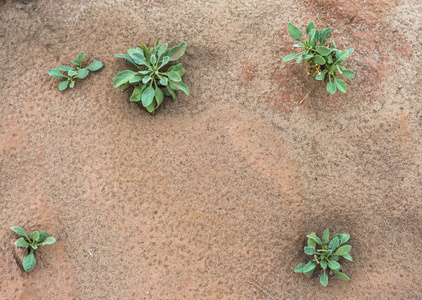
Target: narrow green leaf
{"x":159,"y":96}
{"x":324,"y":35}
{"x":295,"y":32}
{"x":20,"y":231}
{"x":299,"y":268}
{"x":171,"y":92}
{"x":348,"y":257}
{"x":333,"y":265}
{"x":153,"y":59}
{"x":161,"y":49}
{"x":324,"y":51}
{"x":148,"y":96}
{"x":48,"y":241}
{"x":324,"y":279}
{"x":319,"y":60}
{"x":64,"y":68}
{"x":310,"y":27}
{"x":179,"y":86}
{"x":311,"y":34}
{"x":341,"y":275}
{"x":309,"y":250}
{"x":29,"y":261}
{"x":335,"y":241}
{"x":139,"y":59}
{"x":147,"y":54}
{"x":135,"y":79}
{"x":298,"y":46}
{"x":174,"y":76}
{"x":55,"y":73}
{"x":63,"y":85}
{"x":308,"y":56}
{"x":95,"y":66}
{"x":343,"y":250}
{"x":309,"y":267}
{"x":290,"y":57}
{"x":315,"y":238}
{"x":176,"y":52}
{"x":326,"y":236}
{"x":123,"y":77}
{"x":81,"y":58}
{"x":348,"y":73}
{"x":22,"y":243}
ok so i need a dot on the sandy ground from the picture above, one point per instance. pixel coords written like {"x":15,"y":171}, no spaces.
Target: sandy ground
{"x":212,"y":197}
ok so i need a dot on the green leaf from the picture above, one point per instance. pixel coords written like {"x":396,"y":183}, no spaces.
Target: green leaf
{"x":299,"y":46}
{"x":43,"y":236}
{"x":320,"y":76}
{"x":95,"y":66}
{"x":299,"y":59}
{"x":161,"y":49}
{"x":324,"y":279}
{"x":33,"y":246}
{"x":335,"y":241}
{"x":310,"y":27}
{"x":348,"y":257}
{"x":164,"y":81}
{"x":295,"y":32}
{"x":333,"y":265}
{"x":174,"y":76}
{"x":348,"y":73}
{"x":326,"y":236}
{"x":123,"y":77}
{"x":75,"y":62}
{"x":29,"y":261}
{"x":350,"y":51}
{"x":72,"y":84}
{"x":127,"y":58}
{"x":343,"y":237}
{"x":81,"y":58}
{"x":171,"y":92}
{"x":290,"y":57}
{"x":311,"y":34}
{"x":147,"y":54}
{"x":148,"y":96}
{"x":20,"y":231}
{"x":341,"y":85}
{"x":324,"y":51}
{"x":308,"y":56}
{"x":82,"y":73}
{"x":64,"y":68}
{"x":48,"y":241}
{"x":72,"y":73}
{"x":146,"y":79}
{"x":309,"y":250}
{"x":179,"y":86}
{"x":136,"y":95}
{"x":315,"y":238}
{"x":324,"y":35}
{"x":159,"y":96}
{"x":135,"y":79}
{"x":323,"y":264}
{"x":150,"y":108}
{"x":319,"y":60}
{"x":328,"y":59}
{"x":63,"y":85}
{"x":164,"y":62}
{"x":341,"y":275}
{"x":153,"y":59}
{"x":342,"y":55}
{"x":335,"y":257}
{"x":299,"y":268}
{"x":177,"y":68}
{"x":139,"y":59}
{"x":35,"y":236}
{"x":309,"y":267}
{"x":331,"y":87}
{"x":22,"y":243}
{"x":343,"y":250}
{"x":176,"y":52}
{"x":311,"y":243}
{"x":55,"y":73}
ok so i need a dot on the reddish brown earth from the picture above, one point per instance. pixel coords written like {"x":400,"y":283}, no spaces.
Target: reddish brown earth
{"x":212,"y":197}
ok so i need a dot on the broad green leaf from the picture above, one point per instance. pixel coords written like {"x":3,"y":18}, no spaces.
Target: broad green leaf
{"x":177,"y":51}
{"x":319,"y":60}
{"x":335,"y":257}
{"x":165,"y":61}
{"x":324,"y":279}
{"x":75,"y":62}
{"x":123,"y":77}
{"x":343,"y":250}
{"x":153,"y":59}
{"x":55,"y":73}
{"x":72,"y":84}
{"x":148,"y":96}
{"x":348,"y":257}
{"x":81,"y":58}
{"x":320,"y":76}
{"x":136,"y":50}
{"x":308,"y":56}
{"x":342,"y":55}
{"x":179,"y":86}
{"x":159,"y":96}
{"x":174,"y":76}
{"x":136,"y":95}
{"x":48,"y":241}
{"x":164,"y":81}
{"x":22,"y":243}
{"x":290,"y":57}
{"x":139,"y":59}
{"x":171,"y":92}
{"x":29,"y":261}
{"x":63,"y":85}
{"x":341,"y":275}
{"x":341,"y":85}
{"x":324,"y":51}
{"x":309,"y":250}
{"x":177,"y":68}
{"x":311,"y":34}
{"x":309,"y":267}
{"x":324,"y":35}
{"x":326,"y":236}
{"x":335,"y":241}
{"x":310,"y":27}
{"x":343,"y":237}
{"x":161,"y":49}
{"x":35,"y":236}
{"x":165,"y":91}
{"x":43,"y":236}
{"x":348,"y":73}
{"x":331,"y":87}
{"x":150,"y":108}
{"x":146,"y":79}
{"x":295,"y":32}
{"x":311,"y":243}
{"x":20,"y":231}
{"x":328,"y":59}
{"x":333,"y":265}
{"x":82,"y":73}
{"x":315,"y":238}
{"x":72,"y":73}
{"x":135,"y":79}
{"x":95,"y":66}
{"x":299,"y":268}
{"x":323,"y":264}
{"x":299,"y":59}
{"x":64,"y":68}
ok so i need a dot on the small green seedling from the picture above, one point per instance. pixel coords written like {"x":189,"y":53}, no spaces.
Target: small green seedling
{"x":325,"y":61}
{"x":325,"y":254}
{"x":151,"y":81}
{"x":74,"y":75}
{"x":37,"y":238}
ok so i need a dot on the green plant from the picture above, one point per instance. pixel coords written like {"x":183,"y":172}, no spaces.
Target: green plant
{"x":74,"y":75}
{"x":322,"y":55}
{"x":37,"y":238}
{"x":325,"y":254}
{"x":151,"y":82}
